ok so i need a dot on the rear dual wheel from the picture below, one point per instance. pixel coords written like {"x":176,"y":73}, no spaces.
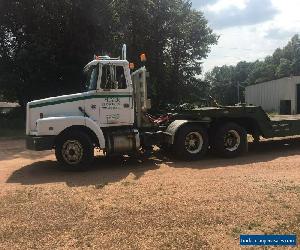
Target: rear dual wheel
{"x":230,"y":140}
{"x":191,"y":142}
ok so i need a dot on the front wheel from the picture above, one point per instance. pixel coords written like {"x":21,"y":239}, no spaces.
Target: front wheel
{"x":74,"y":151}
{"x":191,"y":143}
{"x":230,"y":140}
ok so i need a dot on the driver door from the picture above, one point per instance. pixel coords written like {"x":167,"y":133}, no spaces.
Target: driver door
{"x":116,"y":102}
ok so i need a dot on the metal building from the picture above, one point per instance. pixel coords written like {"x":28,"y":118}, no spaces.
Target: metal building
{"x":279,"y":96}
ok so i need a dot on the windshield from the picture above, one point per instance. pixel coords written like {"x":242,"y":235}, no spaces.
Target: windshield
{"x":91,"y":77}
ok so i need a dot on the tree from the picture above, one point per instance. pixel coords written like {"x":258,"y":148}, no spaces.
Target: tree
{"x":261,"y":72}
{"x":223,"y":84}
{"x":283,"y":62}
{"x":45,"y":44}
{"x":175,"y":38}
{"x":284,"y":68}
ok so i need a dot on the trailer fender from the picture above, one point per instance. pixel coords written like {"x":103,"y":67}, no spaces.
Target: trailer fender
{"x":55,"y":125}
{"x":172,"y":130}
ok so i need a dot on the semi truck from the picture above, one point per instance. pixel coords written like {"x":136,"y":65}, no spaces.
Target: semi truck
{"x":113,"y":115}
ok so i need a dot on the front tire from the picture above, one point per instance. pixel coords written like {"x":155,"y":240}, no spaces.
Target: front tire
{"x":74,"y":151}
{"x":191,"y":143}
{"x":230,"y":140}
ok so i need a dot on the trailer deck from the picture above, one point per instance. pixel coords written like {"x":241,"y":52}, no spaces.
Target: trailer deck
{"x":249,"y":117}
{"x":284,"y":117}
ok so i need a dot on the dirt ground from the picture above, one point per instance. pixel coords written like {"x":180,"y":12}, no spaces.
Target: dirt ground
{"x":157,"y":203}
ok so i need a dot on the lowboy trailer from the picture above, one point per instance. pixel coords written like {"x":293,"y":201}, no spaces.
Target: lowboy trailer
{"x":112,"y":115}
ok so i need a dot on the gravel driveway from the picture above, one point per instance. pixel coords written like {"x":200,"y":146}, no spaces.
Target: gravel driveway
{"x":157,"y":203}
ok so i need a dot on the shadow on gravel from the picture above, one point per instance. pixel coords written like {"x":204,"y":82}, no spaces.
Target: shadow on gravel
{"x":264,"y":151}
{"x":109,"y":170}
{"x":102,"y":171}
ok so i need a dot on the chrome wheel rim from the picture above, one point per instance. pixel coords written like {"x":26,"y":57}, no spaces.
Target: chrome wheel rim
{"x":193,"y":142}
{"x":232,"y":140}
{"x":72,"y":152}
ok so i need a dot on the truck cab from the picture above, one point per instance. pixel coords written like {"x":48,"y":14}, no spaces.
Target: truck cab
{"x":109,"y":99}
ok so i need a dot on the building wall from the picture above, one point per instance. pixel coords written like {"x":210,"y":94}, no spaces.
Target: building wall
{"x":268,"y":94}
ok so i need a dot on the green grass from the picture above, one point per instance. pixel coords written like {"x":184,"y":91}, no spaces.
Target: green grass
{"x":12,"y":125}
{"x":290,"y":227}
{"x":272,"y":113}
{"x":12,"y":133}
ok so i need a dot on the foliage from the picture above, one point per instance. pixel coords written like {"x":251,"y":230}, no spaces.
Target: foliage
{"x":14,"y":120}
{"x":45,"y":44}
{"x":224,"y":80}
{"x":284,"y":68}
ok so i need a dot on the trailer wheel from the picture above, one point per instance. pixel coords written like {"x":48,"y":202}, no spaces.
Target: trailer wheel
{"x":74,"y":151}
{"x":230,"y":140}
{"x":191,"y":142}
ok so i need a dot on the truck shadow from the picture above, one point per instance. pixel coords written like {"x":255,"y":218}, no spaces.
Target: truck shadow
{"x":104,"y":170}
{"x":101,"y":172}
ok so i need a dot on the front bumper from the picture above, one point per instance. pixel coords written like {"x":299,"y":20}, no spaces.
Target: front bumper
{"x":40,"y":143}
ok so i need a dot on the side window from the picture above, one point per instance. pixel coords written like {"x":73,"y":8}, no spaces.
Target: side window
{"x":92,"y":85}
{"x":106,"y":77}
{"x":121,"y":79}
{"x":113,"y":77}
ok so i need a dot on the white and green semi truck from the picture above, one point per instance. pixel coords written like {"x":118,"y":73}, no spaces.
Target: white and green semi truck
{"x":112,"y":115}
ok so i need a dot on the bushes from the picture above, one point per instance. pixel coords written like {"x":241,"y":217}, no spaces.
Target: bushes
{"x":13,"y":120}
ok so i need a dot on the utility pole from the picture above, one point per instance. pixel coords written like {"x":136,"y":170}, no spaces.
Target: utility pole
{"x":238,"y":86}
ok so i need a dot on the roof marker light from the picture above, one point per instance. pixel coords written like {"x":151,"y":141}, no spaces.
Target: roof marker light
{"x":131,"y":66}
{"x":143,"y":57}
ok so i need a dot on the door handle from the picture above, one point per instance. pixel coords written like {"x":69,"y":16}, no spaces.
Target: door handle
{"x":126,"y":105}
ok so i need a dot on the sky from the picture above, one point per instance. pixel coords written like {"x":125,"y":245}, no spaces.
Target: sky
{"x":248,"y":29}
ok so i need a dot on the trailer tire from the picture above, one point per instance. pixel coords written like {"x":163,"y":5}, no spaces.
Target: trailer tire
{"x":74,"y":150}
{"x":191,"y":142}
{"x":230,"y":140}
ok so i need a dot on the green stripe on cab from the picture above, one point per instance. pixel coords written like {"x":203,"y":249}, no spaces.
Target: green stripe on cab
{"x":74,"y":99}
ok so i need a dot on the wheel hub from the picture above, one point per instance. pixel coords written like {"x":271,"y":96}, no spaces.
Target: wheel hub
{"x":193,"y":142}
{"x":72,"y":152}
{"x":232,"y":140}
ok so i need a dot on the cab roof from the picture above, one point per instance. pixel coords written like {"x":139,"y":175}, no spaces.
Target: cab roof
{"x":106,"y":61}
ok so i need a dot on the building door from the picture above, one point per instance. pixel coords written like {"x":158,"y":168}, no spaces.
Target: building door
{"x":285,"y":107}
{"x":298,"y":99}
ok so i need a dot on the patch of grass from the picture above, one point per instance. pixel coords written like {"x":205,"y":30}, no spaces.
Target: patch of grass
{"x":236,"y":231}
{"x":286,"y":206}
{"x":253,"y":225}
{"x":271,"y":195}
{"x":13,"y":123}
{"x":291,"y":227}
{"x":100,"y":185}
{"x":294,"y":189}
{"x":272,"y":113}
{"x":126,"y":183}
